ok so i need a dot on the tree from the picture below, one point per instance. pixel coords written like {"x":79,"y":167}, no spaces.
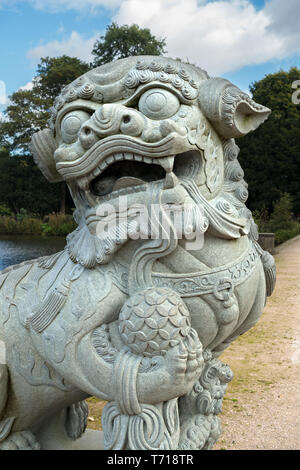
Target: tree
{"x":281,"y":217}
{"x":29,"y":111}
{"x":22,"y":186}
{"x":124,"y":41}
{"x":53,"y":73}
{"x":270,"y":156}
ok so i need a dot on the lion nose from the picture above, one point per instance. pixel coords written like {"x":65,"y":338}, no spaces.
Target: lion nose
{"x":111,"y":119}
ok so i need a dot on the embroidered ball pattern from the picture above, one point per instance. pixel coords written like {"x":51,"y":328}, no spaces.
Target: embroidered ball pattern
{"x":154,"y":320}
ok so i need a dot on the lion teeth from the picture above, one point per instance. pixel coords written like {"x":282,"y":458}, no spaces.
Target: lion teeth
{"x":95,"y":172}
{"x":103,"y":165}
{"x":170,"y":181}
{"x":167,"y":163}
{"x":110,"y":160}
{"x":128,"y":156}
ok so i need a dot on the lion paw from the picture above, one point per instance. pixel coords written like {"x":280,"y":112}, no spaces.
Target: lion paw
{"x":76,"y":419}
{"x":186,"y":362}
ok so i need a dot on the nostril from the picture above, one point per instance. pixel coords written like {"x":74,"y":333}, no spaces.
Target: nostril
{"x":126,"y":119}
{"x":87,"y":137}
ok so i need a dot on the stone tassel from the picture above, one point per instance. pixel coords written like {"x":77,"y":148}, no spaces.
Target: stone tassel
{"x":270,"y":271}
{"x":50,"y":307}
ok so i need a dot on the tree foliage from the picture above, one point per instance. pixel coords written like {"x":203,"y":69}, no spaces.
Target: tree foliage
{"x":21,"y":183}
{"x":270,"y":156}
{"x":22,"y":186}
{"x":281,"y":222}
{"x":29,"y":110}
{"x":124,"y":41}
{"x":281,"y":217}
{"x":26,"y":113}
{"x":53,"y":73}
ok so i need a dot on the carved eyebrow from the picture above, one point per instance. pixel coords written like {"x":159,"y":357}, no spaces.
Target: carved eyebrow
{"x":132,"y":100}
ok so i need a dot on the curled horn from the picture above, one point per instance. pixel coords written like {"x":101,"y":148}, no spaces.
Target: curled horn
{"x":43,"y":146}
{"x":232,"y":112}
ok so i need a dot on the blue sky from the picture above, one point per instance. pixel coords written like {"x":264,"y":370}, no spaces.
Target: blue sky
{"x":242,"y":40}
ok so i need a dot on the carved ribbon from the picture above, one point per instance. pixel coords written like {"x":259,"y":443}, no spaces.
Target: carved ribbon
{"x":129,"y":425}
{"x":199,"y":283}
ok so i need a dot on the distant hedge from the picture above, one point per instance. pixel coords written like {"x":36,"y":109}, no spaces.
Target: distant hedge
{"x":50,"y":225}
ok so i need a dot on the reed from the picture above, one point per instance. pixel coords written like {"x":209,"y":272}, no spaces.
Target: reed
{"x":51,"y":225}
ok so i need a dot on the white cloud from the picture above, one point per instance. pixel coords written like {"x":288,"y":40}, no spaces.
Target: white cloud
{"x":285,"y":19}
{"x":3,"y":118}
{"x":74,"y":46}
{"x":220,"y":36}
{"x":28,"y":86}
{"x":3,"y":96}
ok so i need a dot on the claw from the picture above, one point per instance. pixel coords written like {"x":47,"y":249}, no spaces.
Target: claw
{"x":192,"y":366}
{"x":194,"y":334}
{"x":182,"y":349}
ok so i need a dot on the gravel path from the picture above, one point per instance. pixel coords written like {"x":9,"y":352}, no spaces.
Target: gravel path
{"x":261,"y":408}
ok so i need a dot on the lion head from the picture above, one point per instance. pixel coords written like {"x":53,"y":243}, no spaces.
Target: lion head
{"x":143,"y":126}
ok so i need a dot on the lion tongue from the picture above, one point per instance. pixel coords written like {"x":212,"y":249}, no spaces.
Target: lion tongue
{"x":127,"y":181}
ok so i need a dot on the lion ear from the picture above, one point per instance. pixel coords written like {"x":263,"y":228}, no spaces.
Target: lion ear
{"x":232,"y":112}
{"x":43,"y":146}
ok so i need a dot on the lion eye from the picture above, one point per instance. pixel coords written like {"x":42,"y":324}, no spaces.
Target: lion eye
{"x":158,"y":104}
{"x":71,"y":124}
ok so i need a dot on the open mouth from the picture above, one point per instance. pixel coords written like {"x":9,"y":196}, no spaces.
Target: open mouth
{"x":129,"y":170}
{"x":126,"y":173}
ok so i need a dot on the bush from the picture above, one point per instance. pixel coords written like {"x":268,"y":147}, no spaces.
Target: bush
{"x":22,"y":223}
{"x":11,"y":225}
{"x":284,"y":235}
{"x":8,"y":224}
{"x":5,"y":210}
{"x":30,"y":225}
{"x":262,"y":219}
{"x":23,"y":214}
{"x":280,"y":222}
{"x":58,"y":225}
{"x":281,"y":217}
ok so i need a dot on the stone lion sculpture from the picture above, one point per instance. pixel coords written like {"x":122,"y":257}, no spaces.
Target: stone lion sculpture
{"x":138,"y":321}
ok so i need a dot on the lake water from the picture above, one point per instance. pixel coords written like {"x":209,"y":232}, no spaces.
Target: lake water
{"x":18,"y":248}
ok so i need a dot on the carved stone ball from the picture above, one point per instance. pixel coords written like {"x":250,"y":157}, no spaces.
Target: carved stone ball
{"x":153,"y":320}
